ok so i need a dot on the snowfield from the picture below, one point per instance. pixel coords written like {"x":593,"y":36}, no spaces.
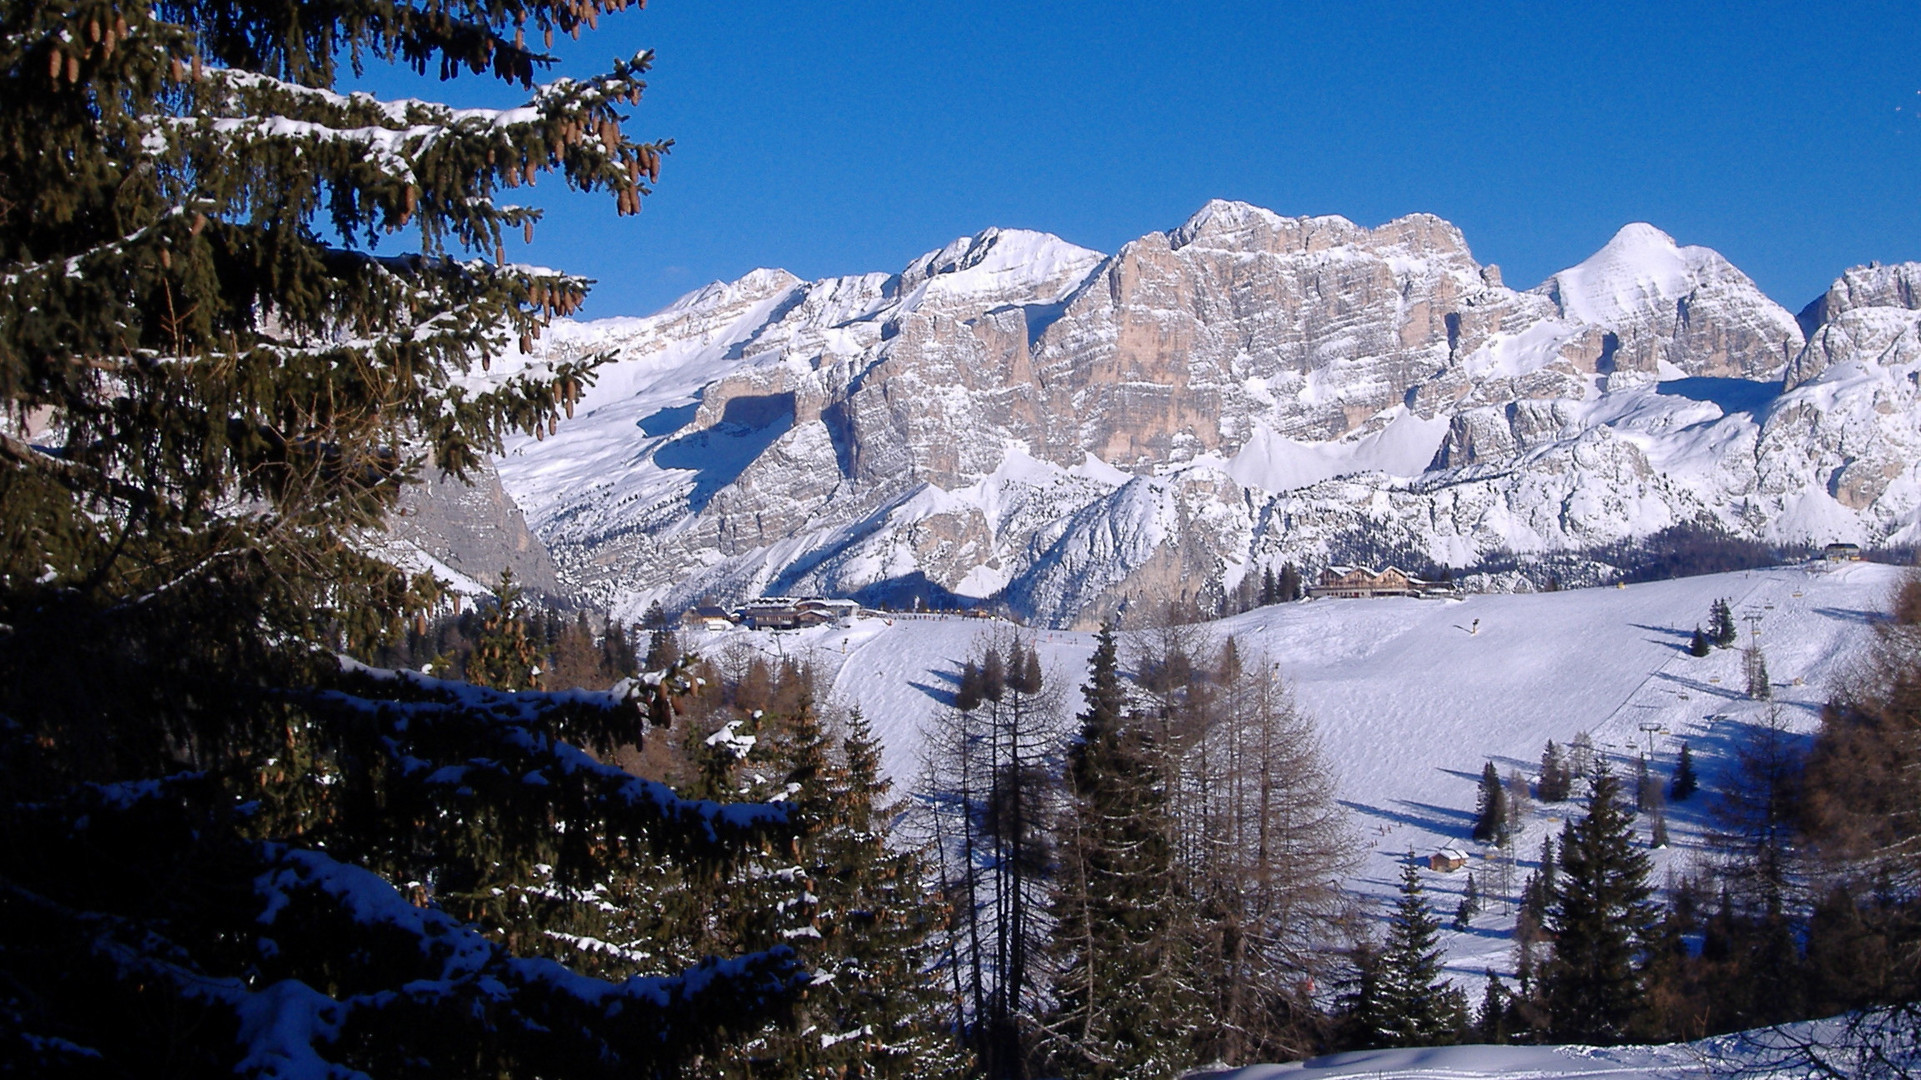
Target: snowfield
{"x":1413,"y":697}
{"x":1765,"y":1054}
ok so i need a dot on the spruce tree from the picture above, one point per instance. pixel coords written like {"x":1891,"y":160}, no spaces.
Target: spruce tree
{"x":1121,"y":1005}
{"x":1755,"y":664}
{"x":1601,"y":919}
{"x":1698,"y":645}
{"x":1490,"y":819}
{"x":967,"y":692}
{"x":1416,"y":1008}
{"x":853,"y":907}
{"x":1685,"y":782}
{"x":1556,"y":780}
{"x":1288,"y":587}
{"x":1490,"y":1022}
{"x":506,"y":656}
{"x":214,"y":390}
{"x":1721,"y":628}
{"x":1470,"y":904}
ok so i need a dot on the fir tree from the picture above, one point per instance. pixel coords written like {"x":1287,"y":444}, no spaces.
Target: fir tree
{"x":1721,"y":629}
{"x":855,"y":910}
{"x":1755,"y":663}
{"x":1288,"y":587}
{"x":1601,"y":919}
{"x":1698,"y":645}
{"x":1556,"y":780}
{"x":993,"y":677}
{"x":1470,"y":904}
{"x":1119,"y":1003}
{"x":1490,"y":1022}
{"x":1685,"y":782}
{"x":967,"y":693}
{"x":214,"y":391}
{"x":506,"y":656}
{"x":1415,"y":1007}
{"x":1490,"y":819}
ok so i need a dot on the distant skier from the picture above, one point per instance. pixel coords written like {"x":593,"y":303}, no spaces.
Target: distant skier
{"x":1476,"y":628}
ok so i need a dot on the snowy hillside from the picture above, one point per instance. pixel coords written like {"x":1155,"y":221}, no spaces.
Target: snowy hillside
{"x":1012,"y":419}
{"x":1412,"y":697}
{"x":1758,"y":1055}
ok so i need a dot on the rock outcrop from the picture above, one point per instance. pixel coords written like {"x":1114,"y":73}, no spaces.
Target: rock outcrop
{"x":1018,"y":420}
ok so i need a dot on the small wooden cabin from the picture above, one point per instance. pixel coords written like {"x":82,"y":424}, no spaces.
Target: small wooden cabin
{"x":1447,"y":860}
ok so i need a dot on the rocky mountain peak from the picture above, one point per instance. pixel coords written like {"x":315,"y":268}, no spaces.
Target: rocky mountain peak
{"x":1655,"y":296}
{"x":1013,"y":263}
{"x":1015,"y":419}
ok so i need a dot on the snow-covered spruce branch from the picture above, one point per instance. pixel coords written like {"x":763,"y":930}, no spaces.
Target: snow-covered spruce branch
{"x":385,"y":148}
{"x":522,"y":734}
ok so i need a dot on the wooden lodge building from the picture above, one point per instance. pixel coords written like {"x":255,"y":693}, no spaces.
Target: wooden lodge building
{"x":1359,"y":582}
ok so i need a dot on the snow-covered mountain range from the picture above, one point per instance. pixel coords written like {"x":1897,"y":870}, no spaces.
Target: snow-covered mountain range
{"x":1017,"y":419}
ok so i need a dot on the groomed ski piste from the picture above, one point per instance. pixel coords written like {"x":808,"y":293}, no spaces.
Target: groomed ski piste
{"x":1764,"y":1054}
{"x":1413,"y":697}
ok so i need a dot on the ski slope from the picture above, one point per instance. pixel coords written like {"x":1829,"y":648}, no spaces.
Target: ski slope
{"x":1763,"y":1054}
{"x":1413,"y":697}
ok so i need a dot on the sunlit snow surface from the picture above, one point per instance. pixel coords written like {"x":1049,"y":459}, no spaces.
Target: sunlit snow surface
{"x":1766,"y":1054}
{"x":1413,"y":697}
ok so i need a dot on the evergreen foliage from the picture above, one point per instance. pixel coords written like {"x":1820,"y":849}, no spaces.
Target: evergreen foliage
{"x":1721,"y":629}
{"x":1490,"y":1022}
{"x":853,"y":908}
{"x":1602,"y":919}
{"x":218,"y":838}
{"x":1287,"y":587}
{"x":506,"y":656}
{"x":1117,"y":1012}
{"x":1414,"y":1006}
{"x":1557,"y":780}
{"x":1490,"y":818}
{"x":1755,"y":665}
{"x":1686,"y":781}
{"x":1698,"y":645}
{"x":1470,"y":904}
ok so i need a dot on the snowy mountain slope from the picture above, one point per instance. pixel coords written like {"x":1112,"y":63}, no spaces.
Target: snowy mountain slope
{"x":1764,"y":1054}
{"x":1016,"y":420}
{"x":1412,"y":697}
{"x":1652,"y":292}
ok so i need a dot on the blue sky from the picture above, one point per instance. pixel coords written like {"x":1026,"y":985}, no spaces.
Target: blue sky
{"x":847,"y":137}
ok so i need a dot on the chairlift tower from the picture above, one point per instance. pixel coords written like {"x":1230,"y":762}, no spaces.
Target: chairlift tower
{"x":1649,"y":727}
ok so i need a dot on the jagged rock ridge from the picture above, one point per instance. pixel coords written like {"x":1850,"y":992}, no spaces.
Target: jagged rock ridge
{"x":1016,"y":419}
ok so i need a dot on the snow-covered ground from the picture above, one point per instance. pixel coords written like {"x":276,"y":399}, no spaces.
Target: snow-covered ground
{"x":1413,"y":697}
{"x":1766,"y":1054}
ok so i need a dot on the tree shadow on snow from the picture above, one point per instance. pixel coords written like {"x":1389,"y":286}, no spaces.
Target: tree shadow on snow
{"x":1440,"y":819}
{"x":941,"y":694}
{"x":1707,"y":689}
{"x":1865,"y":618}
{"x":1681,"y":646}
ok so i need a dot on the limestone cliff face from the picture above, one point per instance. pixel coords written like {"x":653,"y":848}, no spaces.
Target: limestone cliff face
{"x":1016,"y":419}
{"x":473,"y":528}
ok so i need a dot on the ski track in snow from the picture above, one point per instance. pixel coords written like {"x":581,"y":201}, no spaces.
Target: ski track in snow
{"x":1411,"y":698}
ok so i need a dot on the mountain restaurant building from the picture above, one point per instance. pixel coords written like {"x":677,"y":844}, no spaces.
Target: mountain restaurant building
{"x":1353,"y":582}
